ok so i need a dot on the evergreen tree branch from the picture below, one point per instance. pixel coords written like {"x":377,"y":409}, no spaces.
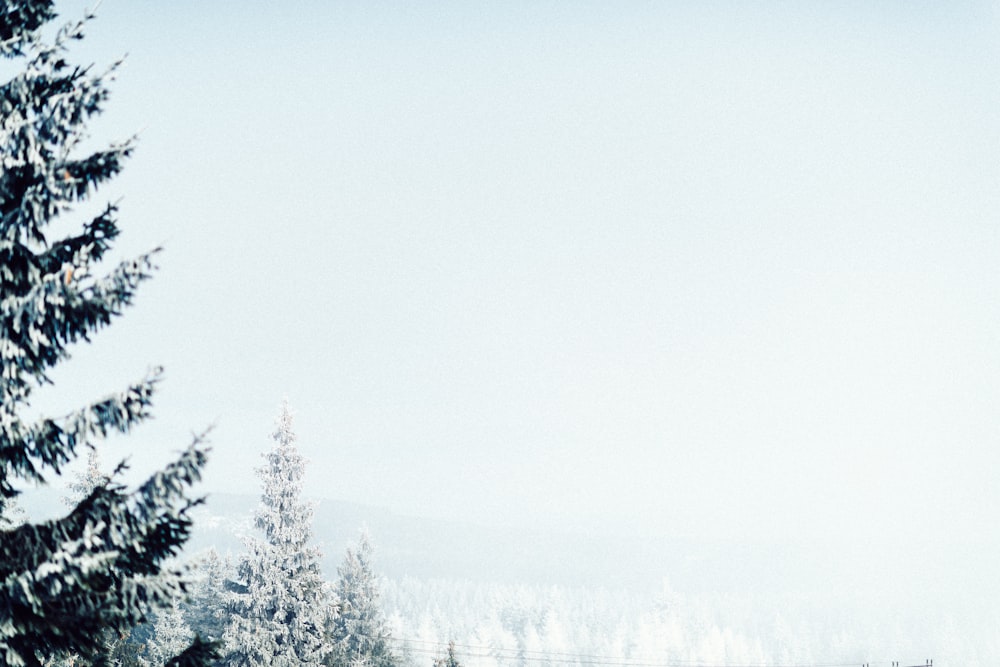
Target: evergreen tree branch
{"x":71,"y":587}
{"x":19,"y":22}
{"x":104,"y":559}
{"x":35,"y":328}
{"x":53,"y":443}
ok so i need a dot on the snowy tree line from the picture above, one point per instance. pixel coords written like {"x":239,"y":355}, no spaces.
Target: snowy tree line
{"x":273,"y":606}
{"x":510,"y":625}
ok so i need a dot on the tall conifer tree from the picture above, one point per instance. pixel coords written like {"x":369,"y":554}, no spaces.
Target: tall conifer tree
{"x":279,"y":613}
{"x":64,"y":583}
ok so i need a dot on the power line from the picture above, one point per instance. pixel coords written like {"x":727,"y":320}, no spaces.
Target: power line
{"x":436,"y":649}
{"x":437,"y":654}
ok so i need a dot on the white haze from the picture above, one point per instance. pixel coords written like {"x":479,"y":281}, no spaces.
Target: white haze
{"x":715,"y":271}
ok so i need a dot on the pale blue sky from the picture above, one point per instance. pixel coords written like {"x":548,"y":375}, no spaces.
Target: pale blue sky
{"x":719,"y":269}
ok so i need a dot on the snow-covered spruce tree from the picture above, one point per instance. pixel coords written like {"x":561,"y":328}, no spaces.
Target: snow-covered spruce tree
{"x":278,"y":614}
{"x":450,"y":659}
{"x":359,"y":632}
{"x":205,"y":611}
{"x":64,"y":583}
{"x":171,"y":634}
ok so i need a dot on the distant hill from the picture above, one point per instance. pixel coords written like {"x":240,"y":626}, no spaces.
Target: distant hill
{"x":434,"y":549}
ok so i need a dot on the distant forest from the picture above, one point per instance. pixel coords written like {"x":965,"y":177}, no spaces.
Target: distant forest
{"x":410,"y":621}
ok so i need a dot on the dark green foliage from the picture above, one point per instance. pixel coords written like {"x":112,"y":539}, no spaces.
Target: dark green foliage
{"x":69,"y":584}
{"x":18,"y":20}
{"x":200,"y":653}
{"x":120,"y":650}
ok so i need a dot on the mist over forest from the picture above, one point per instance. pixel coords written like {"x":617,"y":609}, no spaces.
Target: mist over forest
{"x":618,"y":335}
{"x":509,"y":596}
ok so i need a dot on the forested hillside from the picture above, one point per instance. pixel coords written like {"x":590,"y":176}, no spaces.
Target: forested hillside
{"x":497,"y":624}
{"x":500,"y":594}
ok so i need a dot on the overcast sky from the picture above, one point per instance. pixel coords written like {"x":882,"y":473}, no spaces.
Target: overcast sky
{"x":698,"y":268}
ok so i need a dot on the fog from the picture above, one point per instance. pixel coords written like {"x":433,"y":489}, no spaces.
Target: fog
{"x":722,"y":273}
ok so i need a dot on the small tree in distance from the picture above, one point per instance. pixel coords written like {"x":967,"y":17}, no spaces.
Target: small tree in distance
{"x":205,"y":611}
{"x":450,"y":659}
{"x":170,"y":634}
{"x":66,"y":583}
{"x":359,"y":632}
{"x":86,"y":481}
